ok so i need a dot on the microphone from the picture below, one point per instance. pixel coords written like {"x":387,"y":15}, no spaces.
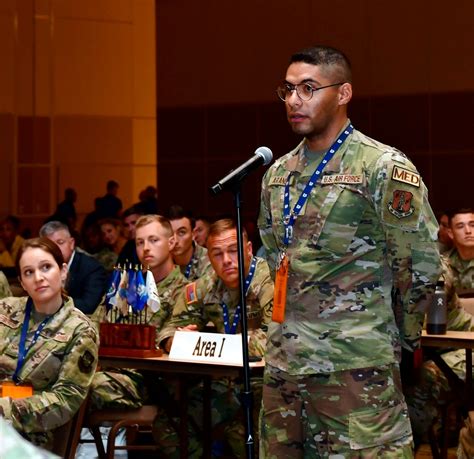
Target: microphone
{"x":263,"y":155}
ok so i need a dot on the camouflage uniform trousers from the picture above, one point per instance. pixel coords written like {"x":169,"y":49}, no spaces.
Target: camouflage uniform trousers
{"x":432,"y":391}
{"x":357,"y":413}
{"x":122,"y":388}
{"x":226,"y":414}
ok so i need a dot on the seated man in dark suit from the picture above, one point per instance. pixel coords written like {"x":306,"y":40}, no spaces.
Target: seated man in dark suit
{"x":87,"y":280}
{"x":128,"y":254}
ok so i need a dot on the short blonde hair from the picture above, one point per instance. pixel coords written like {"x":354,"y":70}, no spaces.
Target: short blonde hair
{"x":225,"y":224}
{"x":154,"y":218}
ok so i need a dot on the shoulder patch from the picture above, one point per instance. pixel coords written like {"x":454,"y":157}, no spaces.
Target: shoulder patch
{"x":86,"y":362}
{"x":400,"y":174}
{"x":191,"y":293}
{"x":401,"y":204}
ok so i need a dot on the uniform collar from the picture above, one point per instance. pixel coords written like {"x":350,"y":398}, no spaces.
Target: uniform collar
{"x":298,"y":161}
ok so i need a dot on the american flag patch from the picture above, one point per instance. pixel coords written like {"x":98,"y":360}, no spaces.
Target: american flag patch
{"x":191,"y":294}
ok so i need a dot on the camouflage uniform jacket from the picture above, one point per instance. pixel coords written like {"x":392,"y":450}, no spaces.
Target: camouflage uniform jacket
{"x":363,"y":258}
{"x":4,"y":286}
{"x":458,"y":277}
{"x":200,"y":263}
{"x":201,"y":301}
{"x":169,"y":290}
{"x":60,"y":366}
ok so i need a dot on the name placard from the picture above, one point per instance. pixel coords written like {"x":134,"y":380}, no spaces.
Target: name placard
{"x":207,"y":347}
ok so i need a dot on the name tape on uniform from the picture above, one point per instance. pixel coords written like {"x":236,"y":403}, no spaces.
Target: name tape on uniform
{"x":207,"y":347}
{"x":347,"y":179}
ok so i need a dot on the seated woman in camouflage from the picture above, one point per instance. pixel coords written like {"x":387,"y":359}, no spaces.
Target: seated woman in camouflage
{"x":48,"y":348}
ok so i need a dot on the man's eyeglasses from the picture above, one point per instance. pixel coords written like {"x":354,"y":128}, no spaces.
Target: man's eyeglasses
{"x":304,"y":90}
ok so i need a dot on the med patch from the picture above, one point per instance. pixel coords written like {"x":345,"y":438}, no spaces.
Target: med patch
{"x":400,"y":174}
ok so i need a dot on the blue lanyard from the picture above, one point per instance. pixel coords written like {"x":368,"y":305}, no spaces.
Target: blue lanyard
{"x":187,"y":271}
{"x":230,"y":330}
{"x":289,"y":218}
{"x":22,"y":349}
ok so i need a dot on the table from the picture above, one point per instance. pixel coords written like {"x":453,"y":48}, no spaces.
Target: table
{"x":207,"y":371}
{"x":452,"y":340}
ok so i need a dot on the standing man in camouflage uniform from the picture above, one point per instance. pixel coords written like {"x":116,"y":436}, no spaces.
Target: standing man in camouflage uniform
{"x":189,"y":256}
{"x":154,"y":242}
{"x":215,"y":298}
{"x":347,"y":227}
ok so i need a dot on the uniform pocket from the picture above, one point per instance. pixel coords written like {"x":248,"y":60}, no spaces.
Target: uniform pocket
{"x":343,"y":217}
{"x":377,"y":427}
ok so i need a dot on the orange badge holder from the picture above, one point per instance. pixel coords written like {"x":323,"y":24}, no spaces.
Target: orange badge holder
{"x":10,"y":389}
{"x":279,"y":297}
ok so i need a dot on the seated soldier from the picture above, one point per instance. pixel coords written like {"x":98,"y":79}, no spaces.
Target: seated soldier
{"x":48,"y":348}
{"x":128,"y":253}
{"x":189,"y":256}
{"x":215,"y":298}
{"x":458,"y":275}
{"x":201,"y":230}
{"x":4,"y":286}
{"x":10,"y":241}
{"x":87,"y":281}
{"x":154,"y":242}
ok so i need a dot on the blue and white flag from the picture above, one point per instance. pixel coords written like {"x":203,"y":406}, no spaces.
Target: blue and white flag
{"x":113,"y":287}
{"x":132,"y":289}
{"x":142,"y":295}
{"x":153,"y":298}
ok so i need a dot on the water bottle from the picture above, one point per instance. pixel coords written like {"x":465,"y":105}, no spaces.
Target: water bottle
{"x":437,"y":314}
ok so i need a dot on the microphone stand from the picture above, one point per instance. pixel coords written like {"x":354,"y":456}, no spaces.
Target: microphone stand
{"x":246,"y":395}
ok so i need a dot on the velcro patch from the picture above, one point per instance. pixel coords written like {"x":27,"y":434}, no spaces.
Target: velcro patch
{"x":8,"y":322}
{"x":278,"y":181}
{"x":401,"y":204}
{"x":347,"y":179}
{"x":191,"y":293}
{"x":86,"y":362}
{"x":61,"y":337}
{"x":405,"y":176}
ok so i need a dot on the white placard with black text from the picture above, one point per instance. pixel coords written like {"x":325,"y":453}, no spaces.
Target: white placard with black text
{"x":207,"y":347}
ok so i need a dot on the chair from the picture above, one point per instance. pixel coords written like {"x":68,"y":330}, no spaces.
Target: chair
{"x":67,"y":436}
{"x":139,"y":419}
{"x":467,"y":304}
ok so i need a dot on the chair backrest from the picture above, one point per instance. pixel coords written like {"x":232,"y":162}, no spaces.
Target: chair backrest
{"x":467,"y":304}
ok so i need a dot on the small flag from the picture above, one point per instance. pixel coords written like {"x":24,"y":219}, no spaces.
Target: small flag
{"x":121,"y":296}
{"x":153,"y":298}
{"x":113,"y":286}
{"x":142,"y":295}
{"x":132,"y":289}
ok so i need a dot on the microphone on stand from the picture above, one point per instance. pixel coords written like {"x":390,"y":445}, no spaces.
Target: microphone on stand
{"x":262,"y":156}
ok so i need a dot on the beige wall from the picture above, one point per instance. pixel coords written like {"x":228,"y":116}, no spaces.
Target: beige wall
{"x":77,"y":102}
{"x":220,"y":61}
